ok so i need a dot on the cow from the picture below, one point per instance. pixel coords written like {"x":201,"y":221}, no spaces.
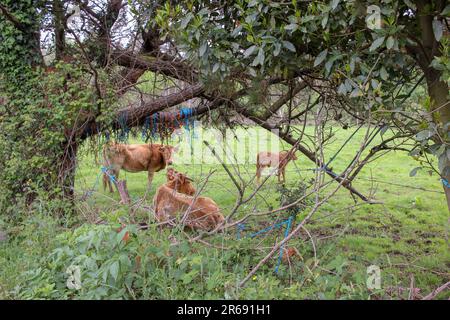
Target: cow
{"x":179,"y":182}
{"x":135,"y":158}
{"x":204,"y":213}
{"x":279,"y":160}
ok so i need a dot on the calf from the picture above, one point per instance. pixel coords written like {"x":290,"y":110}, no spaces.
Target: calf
{"x":278,"y":160}
{"x":135,"y":158}
{"x":204,"y":213}
{"x":179,"y":182}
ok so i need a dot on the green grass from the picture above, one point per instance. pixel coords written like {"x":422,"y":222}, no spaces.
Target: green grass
{"x":405,"y":235}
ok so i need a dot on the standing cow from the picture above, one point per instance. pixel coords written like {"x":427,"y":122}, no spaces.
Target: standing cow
{"x":278,"y":160}
{"x":135,"y":158}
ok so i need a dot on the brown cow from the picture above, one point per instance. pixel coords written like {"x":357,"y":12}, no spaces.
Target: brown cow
{"x":135,"y":158}
{"x":179,"y":182}
{"x":277,"y":160}
{"x":204,"y":213}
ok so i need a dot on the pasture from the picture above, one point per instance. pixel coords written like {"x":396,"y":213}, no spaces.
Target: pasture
{"x":406,"y":234}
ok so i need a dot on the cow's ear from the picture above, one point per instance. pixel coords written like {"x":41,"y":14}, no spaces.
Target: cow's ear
{"x":170,"y":174}
{"x":176,"y":148}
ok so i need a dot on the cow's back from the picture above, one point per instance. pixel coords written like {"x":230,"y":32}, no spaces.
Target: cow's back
{"x":268,"y":159}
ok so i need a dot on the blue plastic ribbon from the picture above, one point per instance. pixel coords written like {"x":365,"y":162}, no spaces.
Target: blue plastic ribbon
{"x":286,"y":233}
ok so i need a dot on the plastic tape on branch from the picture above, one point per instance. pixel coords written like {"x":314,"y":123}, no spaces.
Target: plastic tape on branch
{"x":241,"y":227}
{"x":288,"y":223}
{"x":111,"y":177}
{"x":286,"y":234}
{"x":145,"y":129}
{"x":124,"y":130}
{"x":154,"y":125}
{"x":186,"y":114}
{"x":194,"y":133}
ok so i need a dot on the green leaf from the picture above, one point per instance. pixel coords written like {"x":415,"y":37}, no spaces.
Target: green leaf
{"x":325,"y":20}
{"x":329,"y":65}
{"x":120,"y":235}
{"x":342,"y":89}
{"x":423,"y":135}
{"x":319,"y":59}
{"x":410,"y":4}
{"x":446,"y":11}
{"x":414,"y":171}
{"x":356,"y":93}
{"x":249,"y":51}
{"x":334,"y":4}
{"x":277,"y":49}
{"x":202,"y":49}
{"x":390,"y":42}
{"x":383,"y":73}
{"x":375,"y":84}
{"x":236,"y":31}
{"x":114,"y":270}
{"x":437,"y":29}
{"x":292,"y":27}
{"x":259,"y":60}
{"x":215,"y":67}
{"x":288,"y":45}
{"x":186,"y":20}
{"x":252,"y":72}
{"x":376,"y":44}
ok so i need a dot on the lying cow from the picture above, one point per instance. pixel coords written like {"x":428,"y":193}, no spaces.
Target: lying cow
{"x":278,"y":160}
{"x":204,"y":213}
{"x":135,"y":158}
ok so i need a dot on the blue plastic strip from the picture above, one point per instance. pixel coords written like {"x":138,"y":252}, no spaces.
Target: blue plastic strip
{"x":286,"y":233}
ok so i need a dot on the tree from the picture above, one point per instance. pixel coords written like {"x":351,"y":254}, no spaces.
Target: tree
{"x":229,"y":54}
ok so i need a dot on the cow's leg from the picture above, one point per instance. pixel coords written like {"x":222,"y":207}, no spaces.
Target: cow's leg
{"x":115,"y":174}
{"x":150,"y":179}
{"x":105,"y":181}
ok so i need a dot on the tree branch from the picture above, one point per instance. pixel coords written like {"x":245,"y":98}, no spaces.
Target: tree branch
{"x":11,"y":18}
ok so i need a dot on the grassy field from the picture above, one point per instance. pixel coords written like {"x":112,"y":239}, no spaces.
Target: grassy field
{"x":406,"y":235}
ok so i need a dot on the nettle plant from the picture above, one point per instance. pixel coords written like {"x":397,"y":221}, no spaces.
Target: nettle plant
{"x":115,"y":262}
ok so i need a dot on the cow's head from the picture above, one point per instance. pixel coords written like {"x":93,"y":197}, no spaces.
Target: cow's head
{"x":288,"y":155}
{"x":180,"y":182}
{"x":167,"y":153}
{"x":170,"y":174}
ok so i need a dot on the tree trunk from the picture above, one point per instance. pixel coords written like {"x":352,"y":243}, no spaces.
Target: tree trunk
{"x":438,"y":91}
{"x":58,"y":21}
{"x":123,"y":191}
{"x":67,"y":169}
